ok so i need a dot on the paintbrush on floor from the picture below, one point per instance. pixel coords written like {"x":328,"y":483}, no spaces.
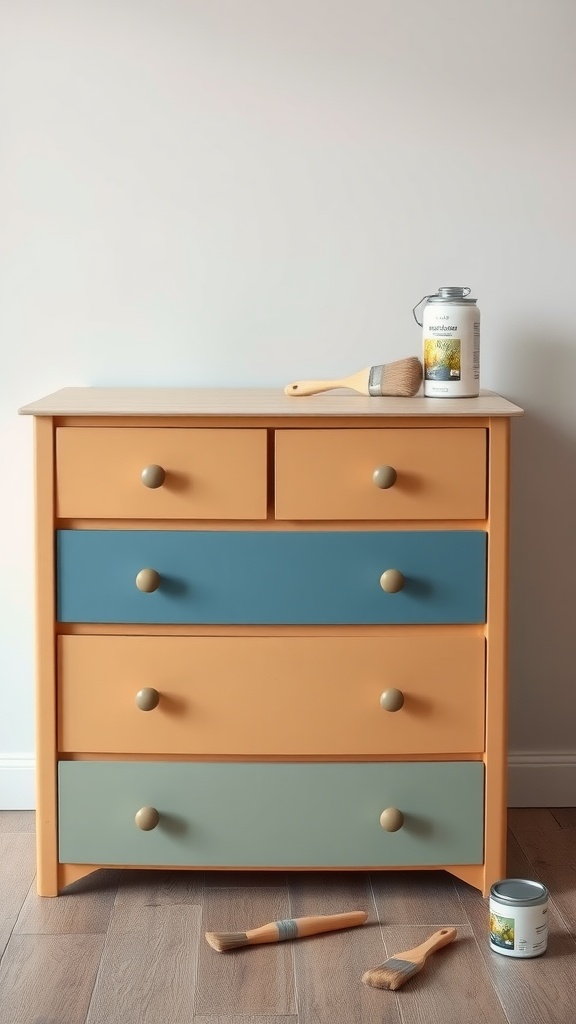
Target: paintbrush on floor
{"x":280,"y":931}
{"x":400,"y":379}
{"x":400,"y":968}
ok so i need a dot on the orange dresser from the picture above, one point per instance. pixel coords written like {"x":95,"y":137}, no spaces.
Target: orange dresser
{"x":271,"y":632}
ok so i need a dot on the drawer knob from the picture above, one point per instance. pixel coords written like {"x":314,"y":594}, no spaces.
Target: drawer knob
{"x":390,"y":700}
{"x":391,"y":819}
{"x":392,"y":581}
{"x":147,"y":698}
{"x":148,"y":580}
{"x":385,"y":477}
{"x":147,"y":818}
{"x":153,"y":476}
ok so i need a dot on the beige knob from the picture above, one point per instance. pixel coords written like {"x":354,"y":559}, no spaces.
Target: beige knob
{"x":147,"y":818}
{"x":391,"y":819}
{"x":148,"y":580}
{"x":147,"y":698}
{"x":153,"y":476}
{"x":392,"y":581}
{"x":390,"y":700}
{"x":385,"y":477}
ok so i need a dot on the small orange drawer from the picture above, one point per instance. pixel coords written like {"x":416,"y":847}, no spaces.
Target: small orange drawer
{"x":272,"y":696}
{"x":208,"y":474}
{"x":329,"y":474}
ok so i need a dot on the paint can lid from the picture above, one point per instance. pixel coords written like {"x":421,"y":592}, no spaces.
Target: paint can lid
{"x":454,"y":294}
{"x":519,"y":892}
{"x":451,"y":293}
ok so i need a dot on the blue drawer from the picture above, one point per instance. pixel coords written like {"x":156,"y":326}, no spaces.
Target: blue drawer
{"x":271,"y":577}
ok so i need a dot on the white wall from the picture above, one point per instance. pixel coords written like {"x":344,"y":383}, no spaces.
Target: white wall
{"x":242,"y":192}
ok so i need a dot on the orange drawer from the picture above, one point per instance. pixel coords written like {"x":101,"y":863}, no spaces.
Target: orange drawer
{"x":271,"y":696}
{"x":209,"y":474}
{"x":329,"y":474}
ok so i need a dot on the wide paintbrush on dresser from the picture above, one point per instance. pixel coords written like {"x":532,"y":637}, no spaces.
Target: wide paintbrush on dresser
{"x":270,"y":634}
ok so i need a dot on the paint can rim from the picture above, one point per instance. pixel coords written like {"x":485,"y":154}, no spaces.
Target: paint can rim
{"x":519,"y":892}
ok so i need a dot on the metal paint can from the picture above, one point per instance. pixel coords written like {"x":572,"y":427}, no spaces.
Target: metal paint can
{"x":518,"y":917}
{"x":450,"y":343}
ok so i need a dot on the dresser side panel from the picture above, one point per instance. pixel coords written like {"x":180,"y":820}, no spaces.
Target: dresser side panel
{"x":497,"y":652}
{"x":46,"y":749}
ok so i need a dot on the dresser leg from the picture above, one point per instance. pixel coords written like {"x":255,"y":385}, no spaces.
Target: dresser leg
{"x":472,"y":874}
{"x":46,"y":867}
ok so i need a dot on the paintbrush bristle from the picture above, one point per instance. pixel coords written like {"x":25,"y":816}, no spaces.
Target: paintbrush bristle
{"x":400,"y":968}
{"x":222,"y":941}
{"x":400,"y":379}
{"x":392,"y":974}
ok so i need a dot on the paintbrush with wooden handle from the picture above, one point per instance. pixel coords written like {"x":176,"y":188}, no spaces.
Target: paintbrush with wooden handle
{"x":403,"y":966}
{"x":279,"y":931}
{"x":400,"y":379}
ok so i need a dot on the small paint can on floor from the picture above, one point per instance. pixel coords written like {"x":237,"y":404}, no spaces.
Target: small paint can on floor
{"x":518,"y":917}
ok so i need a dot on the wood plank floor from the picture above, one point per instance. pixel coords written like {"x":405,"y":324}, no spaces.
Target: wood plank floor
{"x":128,"y":947}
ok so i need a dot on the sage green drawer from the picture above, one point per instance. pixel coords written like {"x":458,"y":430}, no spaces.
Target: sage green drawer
{"x":271,"y":815}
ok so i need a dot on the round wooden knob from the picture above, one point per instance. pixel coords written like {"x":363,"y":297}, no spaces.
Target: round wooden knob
{"x":153,"y":476}
{"x":147,"y":698}
{"x":147,"y":818}
{"x":391,"y":819}
{"x":385,"y":477}
{"x":148,"y":580}
{"x":391,"y":700}
{"x":391,"y":581}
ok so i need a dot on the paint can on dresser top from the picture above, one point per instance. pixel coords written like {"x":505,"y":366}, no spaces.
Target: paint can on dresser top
{"x":450,"y":343}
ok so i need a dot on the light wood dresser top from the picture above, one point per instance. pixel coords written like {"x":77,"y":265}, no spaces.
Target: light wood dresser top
{"x":255,"y":402}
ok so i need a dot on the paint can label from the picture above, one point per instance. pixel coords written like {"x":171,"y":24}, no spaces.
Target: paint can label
{"x":442,"y":359}
{"x":518,"y":931}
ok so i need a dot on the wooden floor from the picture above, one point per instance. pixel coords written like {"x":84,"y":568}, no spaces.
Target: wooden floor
{"x":129,"y":948}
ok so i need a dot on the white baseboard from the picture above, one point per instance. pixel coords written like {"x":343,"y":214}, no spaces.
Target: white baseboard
{"x":534,"y":780}
{"x":542,"y":779}
{"x":17,"y":789}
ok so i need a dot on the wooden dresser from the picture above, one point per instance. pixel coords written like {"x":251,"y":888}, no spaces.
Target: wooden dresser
{"x":271,"y":631}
